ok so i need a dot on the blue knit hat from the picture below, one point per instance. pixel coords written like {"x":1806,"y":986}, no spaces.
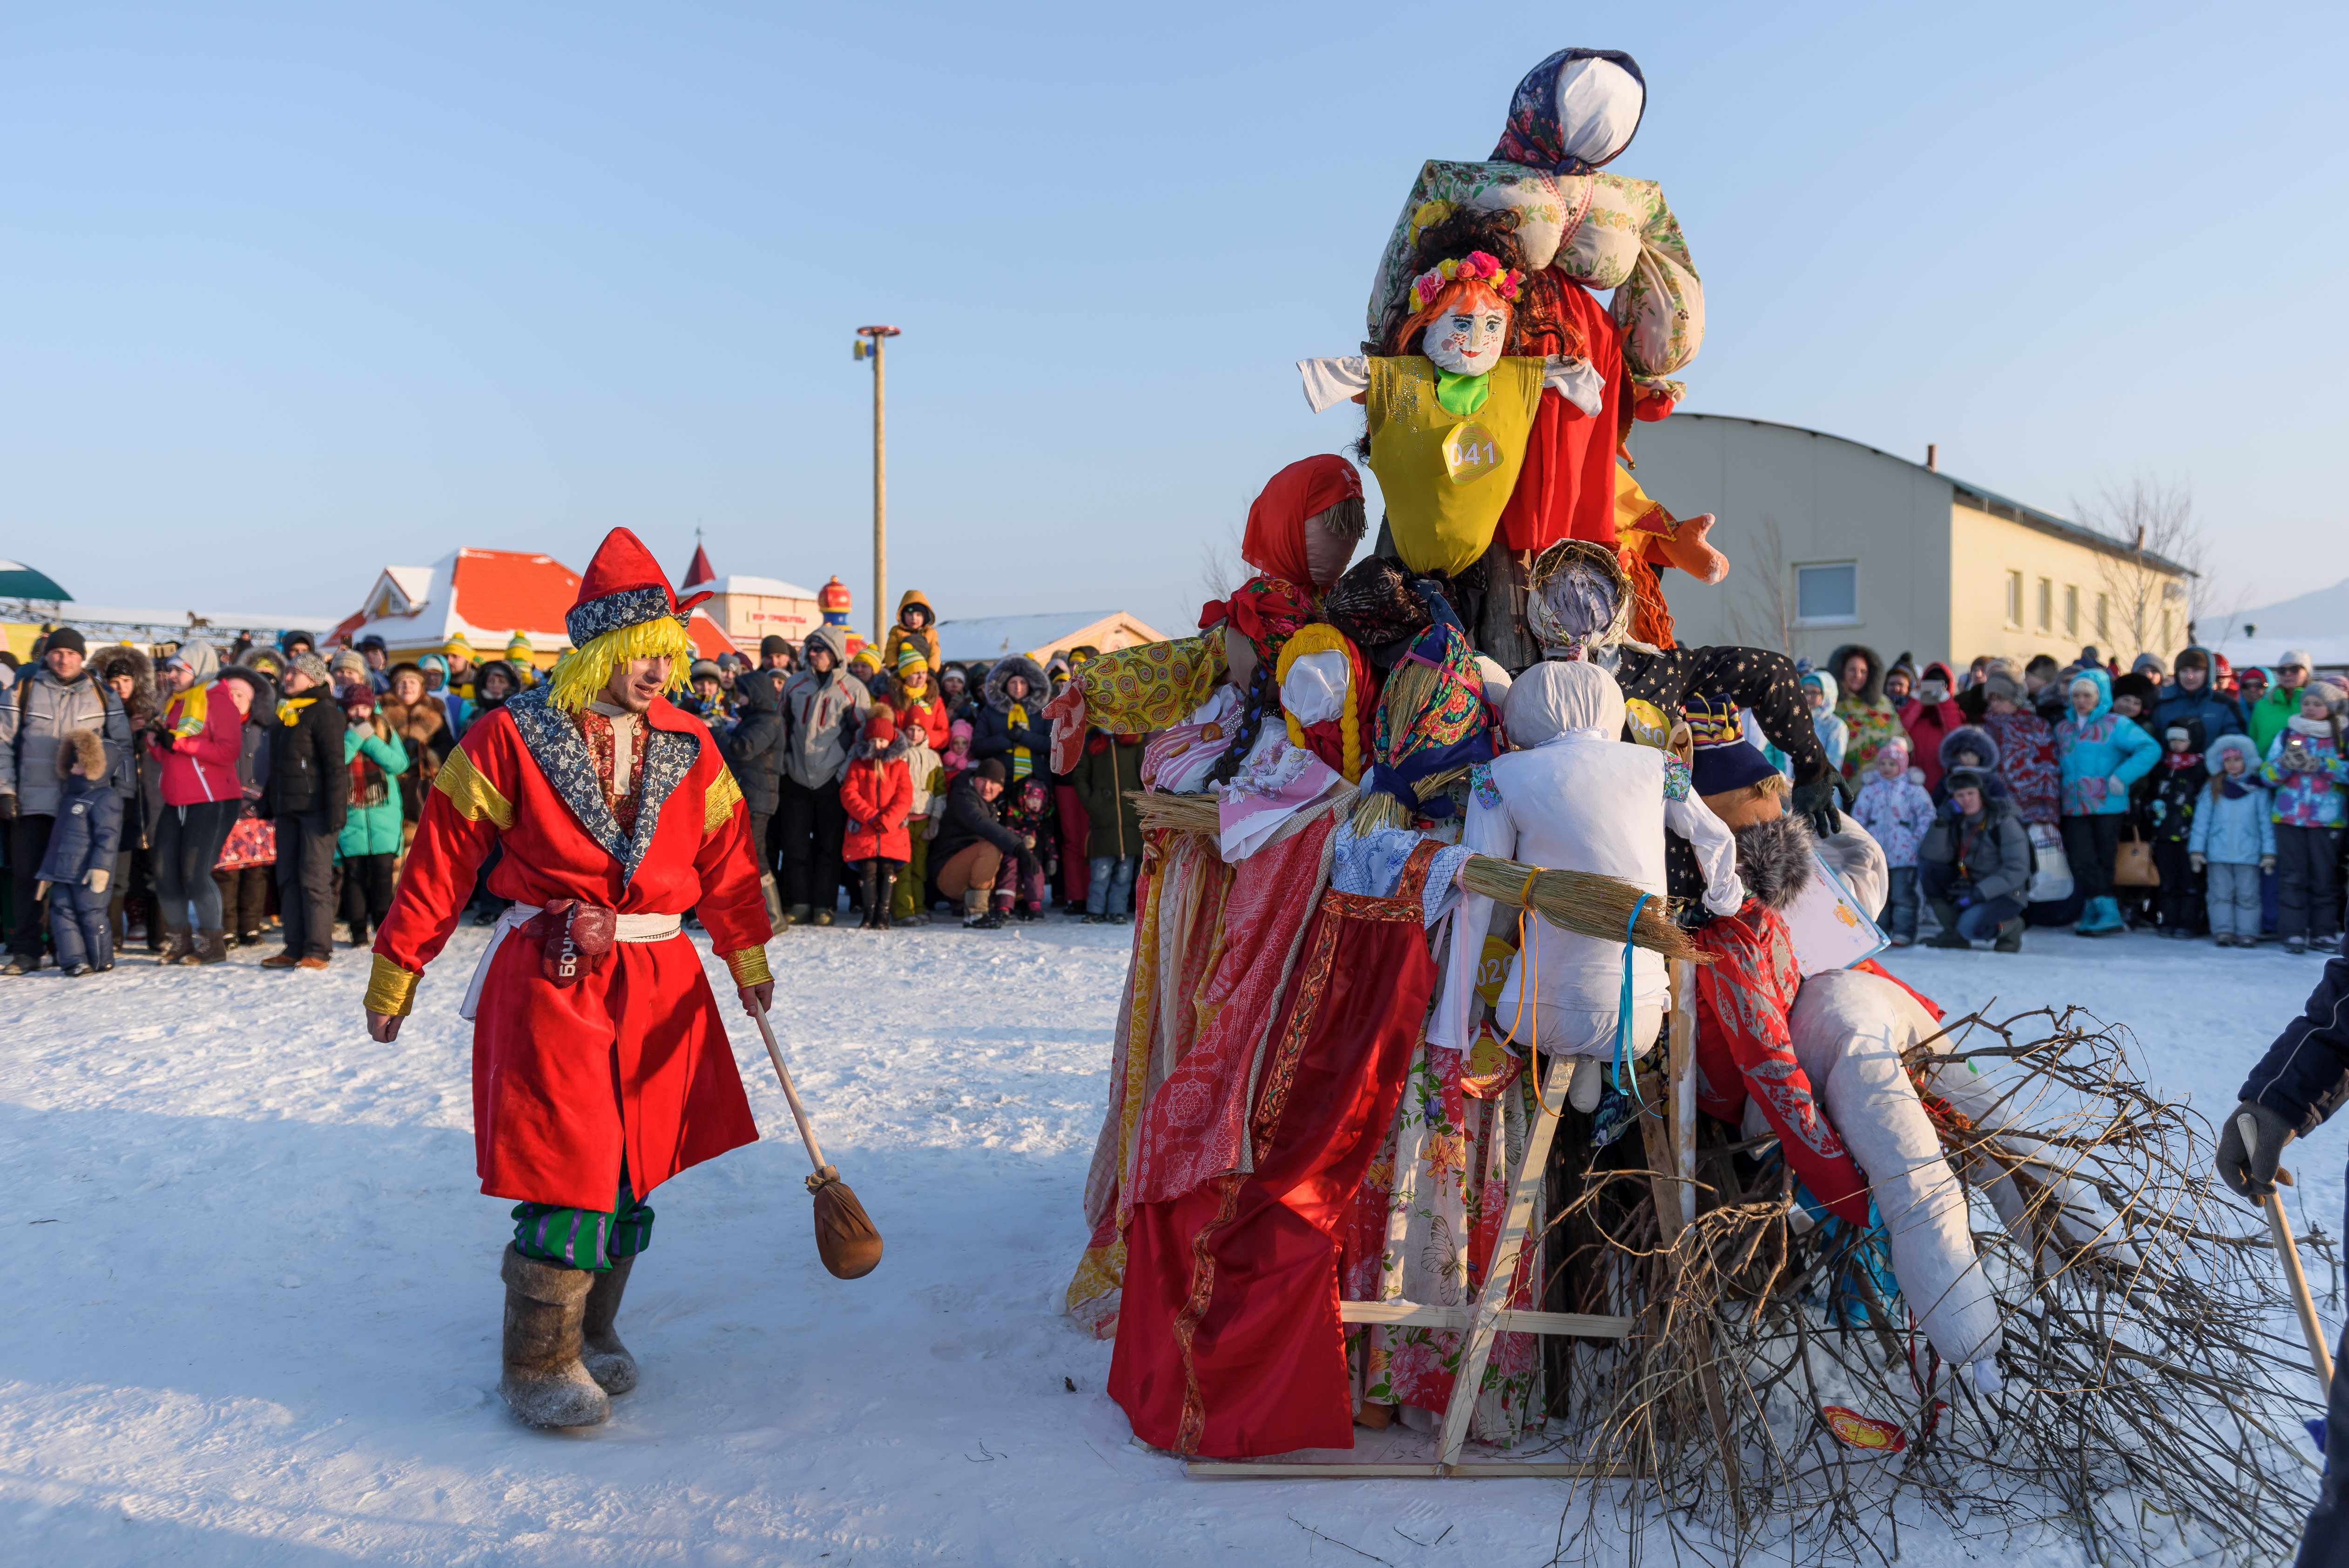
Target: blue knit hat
{"x":1724,"y":760}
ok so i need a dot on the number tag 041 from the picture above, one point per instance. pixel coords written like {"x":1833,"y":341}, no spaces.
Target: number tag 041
{"x":1469,"y":453}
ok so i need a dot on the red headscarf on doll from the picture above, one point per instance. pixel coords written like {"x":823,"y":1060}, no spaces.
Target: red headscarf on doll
{"x":1275,"y":542}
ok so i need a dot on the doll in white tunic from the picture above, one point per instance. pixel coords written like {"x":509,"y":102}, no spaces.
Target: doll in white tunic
{"x":1575,"y":797}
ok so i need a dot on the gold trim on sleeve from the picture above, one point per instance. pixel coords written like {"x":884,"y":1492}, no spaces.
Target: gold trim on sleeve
{"x":390,"y":988}
{"x":474,"y":796}
{"x":719,"y":801}
{"x":750,"y":966}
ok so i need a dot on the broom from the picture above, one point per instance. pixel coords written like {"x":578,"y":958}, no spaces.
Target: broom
{"x":1584,"y":902}
{"x":844,"y":1236}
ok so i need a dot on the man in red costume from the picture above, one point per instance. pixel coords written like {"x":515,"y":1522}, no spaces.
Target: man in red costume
{"x":601,"y":1066}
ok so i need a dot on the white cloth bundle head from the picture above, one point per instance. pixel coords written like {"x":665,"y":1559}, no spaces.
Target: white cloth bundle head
{"x":1556,"y":698}
{"x":1598,"y":107}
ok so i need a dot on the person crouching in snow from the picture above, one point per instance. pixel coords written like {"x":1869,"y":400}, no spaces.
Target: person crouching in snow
{"x":878,"y":794}
{"x":1897,"y":812}
{"x":2232,"y":842}
{"x":1977,"y":866}
{"x":971,"y":857}
{"x":79,"y":863}
{"x":601,"y":1066}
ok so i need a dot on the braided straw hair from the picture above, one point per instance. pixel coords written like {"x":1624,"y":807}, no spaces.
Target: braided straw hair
{"x":1322,"y":638}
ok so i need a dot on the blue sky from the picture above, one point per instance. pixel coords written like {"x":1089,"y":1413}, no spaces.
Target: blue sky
{"x":291,"y":292}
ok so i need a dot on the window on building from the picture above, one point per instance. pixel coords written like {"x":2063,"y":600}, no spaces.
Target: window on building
{"x":1828,"y":594}
{"x":2104,"y":617}
{"x":2071,"y":611}
{"x":2047,"y":604}
{"x":2014,"y":600}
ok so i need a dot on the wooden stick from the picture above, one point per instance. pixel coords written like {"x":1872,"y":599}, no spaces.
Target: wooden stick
{"x":783,"y":1076}
{"x":2303,"y":1302}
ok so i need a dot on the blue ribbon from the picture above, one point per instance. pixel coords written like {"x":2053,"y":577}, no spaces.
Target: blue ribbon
{"x":1623,"y":1008}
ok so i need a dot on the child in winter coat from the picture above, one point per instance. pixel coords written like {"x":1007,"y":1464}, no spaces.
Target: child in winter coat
{"x":2233,"y":841}
{"x":83,"y":841}
{"x":1028,"y":812}
{"x":2168,"y":799}
{"x":1896,"y":810}
{"x":877,"y":795}
{"x":2306,"y":767}
{"x":2101,"y":755}
{"x":1969,"y":746}
{"x":368,"y":847}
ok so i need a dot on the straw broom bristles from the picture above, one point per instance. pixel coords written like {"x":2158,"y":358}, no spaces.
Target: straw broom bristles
{"x":1583,"y":902}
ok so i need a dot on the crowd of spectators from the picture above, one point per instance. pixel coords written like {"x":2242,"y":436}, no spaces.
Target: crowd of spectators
{"x":193,"y":799}
{"x":2183,"y":796}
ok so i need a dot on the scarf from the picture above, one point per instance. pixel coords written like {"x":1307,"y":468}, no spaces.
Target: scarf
{"x":1022,"y":764}
{"x":1539,"y":136}
{"x":368,"y":786}
{"x":2233,"y":788}
{"x":2178,"y":762}
{"x":1275,"y":541}
{"x":1268,"y":611}
{"x":289,"y":710}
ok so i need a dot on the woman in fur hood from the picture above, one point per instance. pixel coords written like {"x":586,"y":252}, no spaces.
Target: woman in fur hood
{"x":1011,"y":726}
{"x":1861,"y":702}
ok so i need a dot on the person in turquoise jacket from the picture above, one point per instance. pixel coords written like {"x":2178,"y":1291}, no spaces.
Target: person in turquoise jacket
{"x":2101,"y":755}
{"x":368,"y":849}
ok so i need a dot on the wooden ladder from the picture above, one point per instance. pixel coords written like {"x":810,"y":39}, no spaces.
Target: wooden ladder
{"x":1670,"y":1149}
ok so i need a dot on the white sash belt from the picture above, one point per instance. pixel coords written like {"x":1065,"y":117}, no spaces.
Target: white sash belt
{"x":625,"y":929}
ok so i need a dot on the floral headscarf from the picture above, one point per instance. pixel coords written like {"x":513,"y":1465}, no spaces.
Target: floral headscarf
{"x":1575,"y":111}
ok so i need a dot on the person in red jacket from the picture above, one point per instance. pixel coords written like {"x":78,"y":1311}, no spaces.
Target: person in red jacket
{"x":1929,"y":717}
{"x":201,"y":735}
{"x":601,"y":1066}
{"x":914,"y":699}
{"x":878,"y":794}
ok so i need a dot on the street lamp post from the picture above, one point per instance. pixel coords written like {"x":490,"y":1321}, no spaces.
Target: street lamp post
{"x":869,"y":342}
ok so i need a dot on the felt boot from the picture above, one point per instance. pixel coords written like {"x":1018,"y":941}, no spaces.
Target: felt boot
{"x":179,"y":946}
{"x":775,"y":917}
{"x":212,"y":947}
{"x":544,"y":1382}
{"x":2010,"y":935}
{"x":606,"y":1359}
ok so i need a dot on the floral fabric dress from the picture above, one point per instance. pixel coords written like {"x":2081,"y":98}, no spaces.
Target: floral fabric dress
{"x":1870,"y":725}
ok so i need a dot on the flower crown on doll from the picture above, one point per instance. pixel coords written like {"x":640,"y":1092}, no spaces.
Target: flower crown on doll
{"x":1476,"y":266}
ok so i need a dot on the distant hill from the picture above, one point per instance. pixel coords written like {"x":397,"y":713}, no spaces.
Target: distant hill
{"x":2320,"y":612}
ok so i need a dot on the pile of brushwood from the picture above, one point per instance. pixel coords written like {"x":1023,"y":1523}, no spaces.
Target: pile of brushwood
{"x":1777,"y":1401}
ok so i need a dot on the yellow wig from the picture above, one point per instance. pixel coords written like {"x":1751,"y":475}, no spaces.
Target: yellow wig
{"x":1322,"y":638}
{"x":583,"y":673}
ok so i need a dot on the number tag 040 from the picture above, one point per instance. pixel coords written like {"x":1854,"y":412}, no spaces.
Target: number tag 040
{"x":1469,"y":453}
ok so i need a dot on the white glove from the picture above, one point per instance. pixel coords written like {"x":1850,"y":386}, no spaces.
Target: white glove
{"x":2114,"y":783}
{"x":97,"y":880}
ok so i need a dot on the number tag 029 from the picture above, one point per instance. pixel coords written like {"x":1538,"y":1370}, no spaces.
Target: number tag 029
{"x":1469,"y":453}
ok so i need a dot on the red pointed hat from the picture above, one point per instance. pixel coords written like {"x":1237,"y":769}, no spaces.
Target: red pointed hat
{"x":623,"y":587}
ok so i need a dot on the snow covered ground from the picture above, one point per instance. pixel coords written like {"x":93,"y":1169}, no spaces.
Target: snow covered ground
{"x":252,"y":1308}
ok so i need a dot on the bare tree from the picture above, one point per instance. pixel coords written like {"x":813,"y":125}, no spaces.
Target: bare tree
{"x":1762,"y":613}
{"x":2155,"y":586}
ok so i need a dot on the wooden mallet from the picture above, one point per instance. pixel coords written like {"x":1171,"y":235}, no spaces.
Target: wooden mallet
{"x":844,"y":1236}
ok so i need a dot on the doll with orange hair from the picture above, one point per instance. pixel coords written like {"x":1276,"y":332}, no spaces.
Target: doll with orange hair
{"x":1450,"y":410}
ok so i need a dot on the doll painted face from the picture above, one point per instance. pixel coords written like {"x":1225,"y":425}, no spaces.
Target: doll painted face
{"x":1467,"y":339}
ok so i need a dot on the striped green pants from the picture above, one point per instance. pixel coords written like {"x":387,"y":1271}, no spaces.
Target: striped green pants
{"x":585,"y":1238}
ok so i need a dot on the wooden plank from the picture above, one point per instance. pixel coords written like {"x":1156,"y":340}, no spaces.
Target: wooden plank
{"x":1683,"y":1068}
{"x":1473,"y":1469}
{"x":1582,"y":1325}
{"x":1502,"y":1271}
{"x":1403,"y":1312}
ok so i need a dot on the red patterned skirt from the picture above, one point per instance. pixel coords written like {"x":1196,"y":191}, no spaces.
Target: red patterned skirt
{"x":1229,"y":1342}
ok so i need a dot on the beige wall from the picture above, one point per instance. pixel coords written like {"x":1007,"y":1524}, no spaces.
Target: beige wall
{"x":1983,"y":549}
{"x":745,"y":619}
{"x":1807,"y":498}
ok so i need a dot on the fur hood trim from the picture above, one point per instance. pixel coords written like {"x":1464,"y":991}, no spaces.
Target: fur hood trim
{"x":1775,"y":859}
{"x":1040,"y":689}
{"x":84,"y":747}
{"x":897,"y":750}
{"x":1873,"y":693}
{"x":1970,"y":738}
